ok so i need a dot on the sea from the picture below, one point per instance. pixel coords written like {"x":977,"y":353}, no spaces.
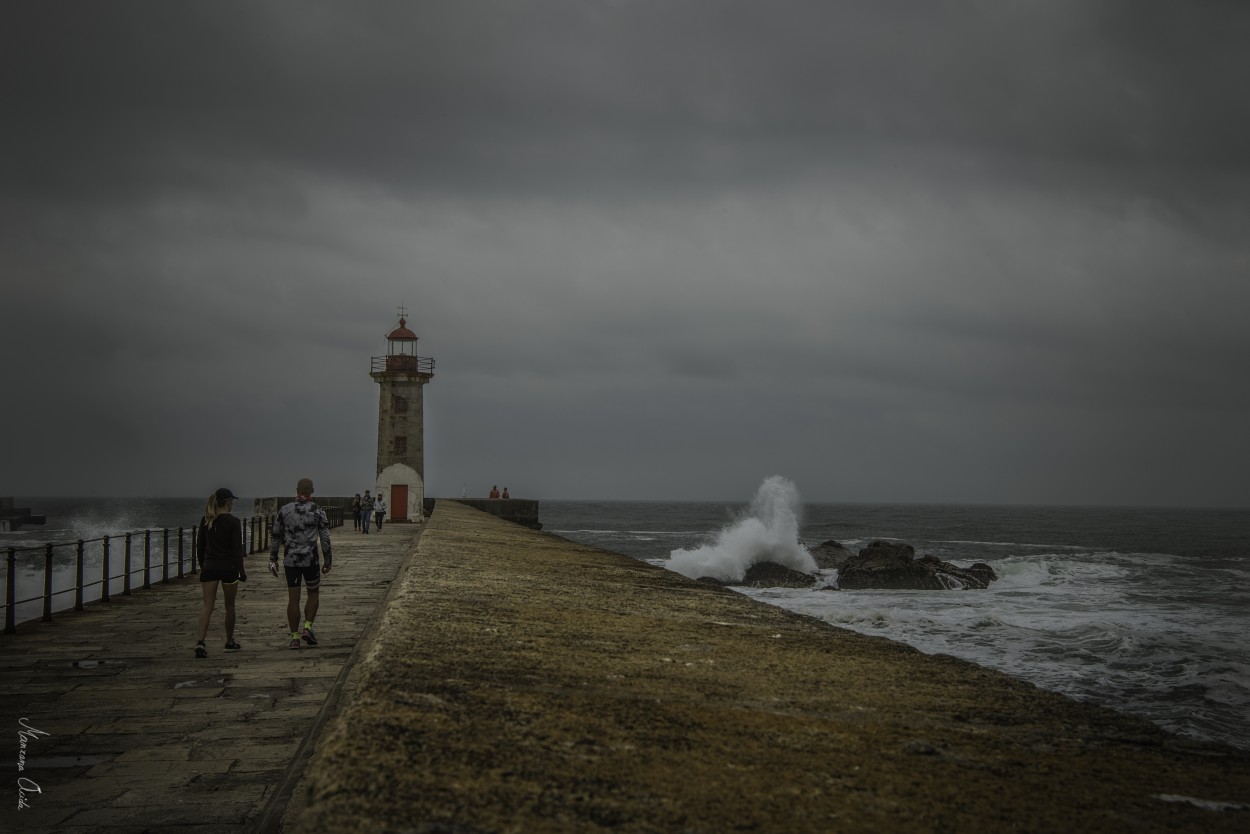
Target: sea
{"x":1145,"y":610}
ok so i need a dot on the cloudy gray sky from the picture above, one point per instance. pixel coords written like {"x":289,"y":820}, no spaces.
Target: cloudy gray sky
{"x":894,"y":251}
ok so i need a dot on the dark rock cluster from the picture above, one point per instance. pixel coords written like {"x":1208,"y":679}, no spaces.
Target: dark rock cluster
{"x":882,"y":565}
{"x":893,"y":566}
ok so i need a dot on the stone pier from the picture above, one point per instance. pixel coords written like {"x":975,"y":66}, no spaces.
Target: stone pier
{"x":478,"y":676}
{"x":524,"y":683}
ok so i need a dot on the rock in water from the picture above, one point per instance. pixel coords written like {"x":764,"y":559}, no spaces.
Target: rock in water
{"x":773,"y":575}
{"x":829,"y":554}
{"x":976,"y":578}
{"x":893,"y":566}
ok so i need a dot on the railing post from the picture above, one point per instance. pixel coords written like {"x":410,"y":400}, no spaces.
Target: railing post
{"x":104,"y":571}
{"x":195,"y":549}
{"x":147,"y":559}
{"x":47,"y":584}
{"x":126,"y":575}
{"x":180,"y":553}
{"x":10,"y":594}
{"x":165,"y":555}
{"x":78,"y":578}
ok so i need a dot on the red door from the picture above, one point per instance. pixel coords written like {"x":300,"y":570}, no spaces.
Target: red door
{"x":399,"y":502}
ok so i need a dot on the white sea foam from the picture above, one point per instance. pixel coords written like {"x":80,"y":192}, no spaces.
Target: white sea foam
{"x":768,"y":531}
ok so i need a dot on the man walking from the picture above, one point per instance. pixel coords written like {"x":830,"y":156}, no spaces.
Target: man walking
{"x":366,"y":510}
{"x":299,"y":526}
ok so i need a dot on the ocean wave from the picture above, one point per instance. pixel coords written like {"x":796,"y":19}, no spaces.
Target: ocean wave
{"x":767,"y":532}
{"x":1011,"y":544}
{"x":1149,"y":620}
{"x":600,"y":532}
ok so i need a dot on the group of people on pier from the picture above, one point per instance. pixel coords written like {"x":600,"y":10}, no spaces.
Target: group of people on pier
{"x":298,"y":529}
{"x":367,"y":508}
{"x":494,"y":492}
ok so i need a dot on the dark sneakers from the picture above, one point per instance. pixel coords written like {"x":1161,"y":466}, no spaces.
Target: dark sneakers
{"x":200,"y":651}
{"x":309,"y":637}
{"x":233,"y":646}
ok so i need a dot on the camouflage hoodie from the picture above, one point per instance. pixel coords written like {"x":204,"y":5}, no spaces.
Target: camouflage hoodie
{"x":299,"y":525}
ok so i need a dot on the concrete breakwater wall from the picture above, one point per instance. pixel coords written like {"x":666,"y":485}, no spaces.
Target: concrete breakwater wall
{"x":521,"y":511}
{"x":523,"y":682}
{"x":12,"y":518}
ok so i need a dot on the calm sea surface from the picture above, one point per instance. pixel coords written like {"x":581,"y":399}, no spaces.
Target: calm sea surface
{"x":1144,"y":610}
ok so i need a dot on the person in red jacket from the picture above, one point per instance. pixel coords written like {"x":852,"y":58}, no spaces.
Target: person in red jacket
{"x":219,"y":550}
{"x":494,"y":492}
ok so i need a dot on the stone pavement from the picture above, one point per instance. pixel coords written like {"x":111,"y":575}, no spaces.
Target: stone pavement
{"x":138,"y":735}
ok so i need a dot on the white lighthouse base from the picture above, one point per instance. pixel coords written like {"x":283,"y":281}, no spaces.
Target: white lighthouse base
{"x":401,"y":486}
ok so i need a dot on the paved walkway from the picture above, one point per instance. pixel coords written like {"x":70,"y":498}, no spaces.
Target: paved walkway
{"x":142,"y":736}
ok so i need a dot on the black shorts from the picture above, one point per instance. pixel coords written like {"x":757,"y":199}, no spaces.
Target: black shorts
{"x":311,"y":576}
{"x":227,"y":575}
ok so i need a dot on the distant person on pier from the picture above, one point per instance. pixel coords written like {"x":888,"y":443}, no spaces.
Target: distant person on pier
{"x":356,"y":513}
{"x":366,"y":511}
{"x":298,"y":528}
{"x":494,"y":492}
{"x":379,"y":510}
{"x":505,"y":493}
{"x":219,"y":549}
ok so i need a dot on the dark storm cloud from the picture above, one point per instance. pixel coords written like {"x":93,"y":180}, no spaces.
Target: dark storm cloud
{"x":937,"y":251}
{"x":560,"y":96}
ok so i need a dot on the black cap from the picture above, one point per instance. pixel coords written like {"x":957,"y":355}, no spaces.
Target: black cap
{"x":224,"y":494}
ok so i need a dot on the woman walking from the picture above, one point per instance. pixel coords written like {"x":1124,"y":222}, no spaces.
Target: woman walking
{"x":220,"y":552}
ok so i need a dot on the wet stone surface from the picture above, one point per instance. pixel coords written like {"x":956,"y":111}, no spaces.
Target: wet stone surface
{"x":136,"y":734}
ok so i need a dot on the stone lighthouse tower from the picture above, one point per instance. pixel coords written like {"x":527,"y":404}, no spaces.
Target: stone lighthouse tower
{"x":402,"y":376}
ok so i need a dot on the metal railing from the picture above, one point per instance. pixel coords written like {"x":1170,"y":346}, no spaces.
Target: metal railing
{"x":398,"y":363}
{"x":153,"y":547}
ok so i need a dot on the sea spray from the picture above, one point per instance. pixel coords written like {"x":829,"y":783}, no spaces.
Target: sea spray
{"x":767,"y":531}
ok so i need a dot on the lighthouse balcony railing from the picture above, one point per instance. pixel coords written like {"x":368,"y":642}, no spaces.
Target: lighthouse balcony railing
{"x":400,"y":363}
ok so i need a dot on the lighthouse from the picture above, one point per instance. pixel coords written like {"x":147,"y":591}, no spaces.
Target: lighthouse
{"x":401,"y":376}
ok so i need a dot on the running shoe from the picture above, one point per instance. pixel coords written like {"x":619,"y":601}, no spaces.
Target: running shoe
{"x":294,"y":644}
{"x":200,"y":651}
{"x":309,"y":637}
{"x":233,"y":646}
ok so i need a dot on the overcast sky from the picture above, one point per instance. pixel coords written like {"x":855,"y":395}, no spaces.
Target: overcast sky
{"x":993,"y":252}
